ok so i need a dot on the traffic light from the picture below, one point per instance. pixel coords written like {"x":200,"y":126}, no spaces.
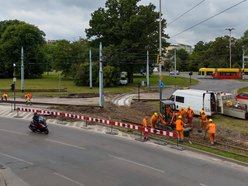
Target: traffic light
{"x":12,"y":87}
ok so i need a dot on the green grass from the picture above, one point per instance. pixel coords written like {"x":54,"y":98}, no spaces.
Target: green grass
{"x":232,"y":124}
{"x":53,"y":80}
{"x":244,"y":89}
{"x":168,"y":80}
{"x":221,"y":153}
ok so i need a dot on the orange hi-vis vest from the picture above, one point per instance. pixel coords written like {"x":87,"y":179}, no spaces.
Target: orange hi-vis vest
{"x":145,"y":122}
{"x":179,"y":124}
{"x":211,"y":128}
{"x":182,"y":112}
{"x":190,"y":113}
{"x":204,"y":117}
{"x":153,"y":120}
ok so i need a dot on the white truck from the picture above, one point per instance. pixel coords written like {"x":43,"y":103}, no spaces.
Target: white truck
{"x":212,"y":102}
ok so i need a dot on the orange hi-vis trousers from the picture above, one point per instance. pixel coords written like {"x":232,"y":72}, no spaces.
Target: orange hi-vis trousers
{"x":211,"y":137}
{"x":180,"y":134}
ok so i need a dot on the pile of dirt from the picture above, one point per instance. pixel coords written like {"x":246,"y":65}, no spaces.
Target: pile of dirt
{"x":135,"y":113}
{"x":111,"y":111}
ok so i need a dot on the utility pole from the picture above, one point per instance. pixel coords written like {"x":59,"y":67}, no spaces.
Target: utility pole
{"x":101,"y":99}
{"x":175,"y":61}
{"x":90,"y":57}
{"x":230,"y":45}
{"x":22,"y":71}
{"x":160,"y":56}
{"x":14,"y":82}
{"x":147,"y":69}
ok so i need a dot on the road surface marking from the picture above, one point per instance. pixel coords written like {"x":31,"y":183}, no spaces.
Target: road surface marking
{"x":13,"y":132}
{"x":201,"y":184}
{"x":66,"y":144}
{"x":136,"y":163}
{"x":15,"y":158}
{"x":69,"y":179}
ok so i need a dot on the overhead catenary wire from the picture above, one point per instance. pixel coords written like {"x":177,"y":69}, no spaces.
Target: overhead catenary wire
{"x":185,"y":12}
{"x":209,"y":18}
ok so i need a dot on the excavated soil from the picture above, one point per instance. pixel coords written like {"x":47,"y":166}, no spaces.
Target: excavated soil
{"x":136,"y":111}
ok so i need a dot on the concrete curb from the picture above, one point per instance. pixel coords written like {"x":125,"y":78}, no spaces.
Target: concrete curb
{"x":8,"y":178}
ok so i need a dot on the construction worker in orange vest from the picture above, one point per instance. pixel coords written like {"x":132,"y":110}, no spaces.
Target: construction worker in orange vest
{"x":145,"y":125}
{"x":190,"y":115}
{"x":204,"y":119}
{"x":168,"y":112}
{"x":211,"y":129}
{"x":179,"y":128}
{"x":28,"y":98}
{"x":183,"y":113}
{"x":153,"y":120}
{"x":5,"y":96}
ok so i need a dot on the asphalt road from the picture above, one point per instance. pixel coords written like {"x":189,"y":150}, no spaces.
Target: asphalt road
{"x":69,"y":156}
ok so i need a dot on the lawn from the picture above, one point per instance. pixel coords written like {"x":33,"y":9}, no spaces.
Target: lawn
{"x":53,"y":80}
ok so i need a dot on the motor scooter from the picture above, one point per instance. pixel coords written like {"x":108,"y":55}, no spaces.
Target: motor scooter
{"x":40,"y":126}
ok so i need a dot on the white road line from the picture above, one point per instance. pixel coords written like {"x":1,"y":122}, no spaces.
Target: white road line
{"x":136,"y":163}
{"x":201,"y":184}
{"x":15,"y":158}
{"x":69,"y":179}
{"x":13,"y":132}
{"x":66,"y":144}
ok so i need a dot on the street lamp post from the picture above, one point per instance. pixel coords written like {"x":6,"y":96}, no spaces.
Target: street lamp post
{"x":230,"y":45}
{"x":160,"y":56}
{"x":14,"y":81}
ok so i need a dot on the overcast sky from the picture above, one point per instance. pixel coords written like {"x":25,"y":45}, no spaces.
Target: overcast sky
{"x":67,"y":19}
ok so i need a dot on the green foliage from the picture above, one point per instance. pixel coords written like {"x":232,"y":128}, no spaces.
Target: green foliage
{"x":126,"y":31}
{"x":67,"y":56}
{"x":111,"y":76}
{"x":216,"y":53}
{"x":182,"y":60}
{"x":82,"y":78}
{"x":14,"y":35}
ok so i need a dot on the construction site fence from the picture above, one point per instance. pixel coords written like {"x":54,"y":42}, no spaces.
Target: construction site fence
{"x":100,"y":121}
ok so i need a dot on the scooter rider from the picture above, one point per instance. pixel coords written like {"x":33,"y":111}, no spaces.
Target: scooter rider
{"x":36,"y":119}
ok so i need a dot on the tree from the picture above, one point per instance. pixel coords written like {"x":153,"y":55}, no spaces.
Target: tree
{"x":14,"y":35}
{"x":67,"y":56}
{"x":126,"y":30}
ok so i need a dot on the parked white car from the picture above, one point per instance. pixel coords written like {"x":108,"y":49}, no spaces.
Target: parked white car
{"x":172,"y":73}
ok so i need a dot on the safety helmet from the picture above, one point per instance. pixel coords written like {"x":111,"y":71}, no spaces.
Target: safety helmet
{"x":182,"y":108}
{"x":180,"y":117}
{"x":210,"y":120}
{"x":188,"y":107}
{"x":155,"y":113}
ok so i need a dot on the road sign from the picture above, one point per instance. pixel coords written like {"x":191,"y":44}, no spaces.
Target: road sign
{"x":161,"y":84}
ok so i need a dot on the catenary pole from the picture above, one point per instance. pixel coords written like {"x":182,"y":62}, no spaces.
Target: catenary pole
{"x":230,"y":45}
{"x":90,"y":57}
{"x":22,"y":70}
{"x":160,"y":56}
{"x":147,"y":69}
{"x":101,"y":99}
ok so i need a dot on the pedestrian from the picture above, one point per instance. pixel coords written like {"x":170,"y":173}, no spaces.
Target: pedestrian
{"x":5,"y":96}
{"x":204,"y":119}
{"x":190,"y":116}
{"x":211,"y":129}
{"x":179,"y":128}
{"x":153,"y":120}
{"x":145,"y":128}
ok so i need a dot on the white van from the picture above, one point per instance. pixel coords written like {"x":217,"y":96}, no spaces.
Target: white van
{"x":196,"y":99}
